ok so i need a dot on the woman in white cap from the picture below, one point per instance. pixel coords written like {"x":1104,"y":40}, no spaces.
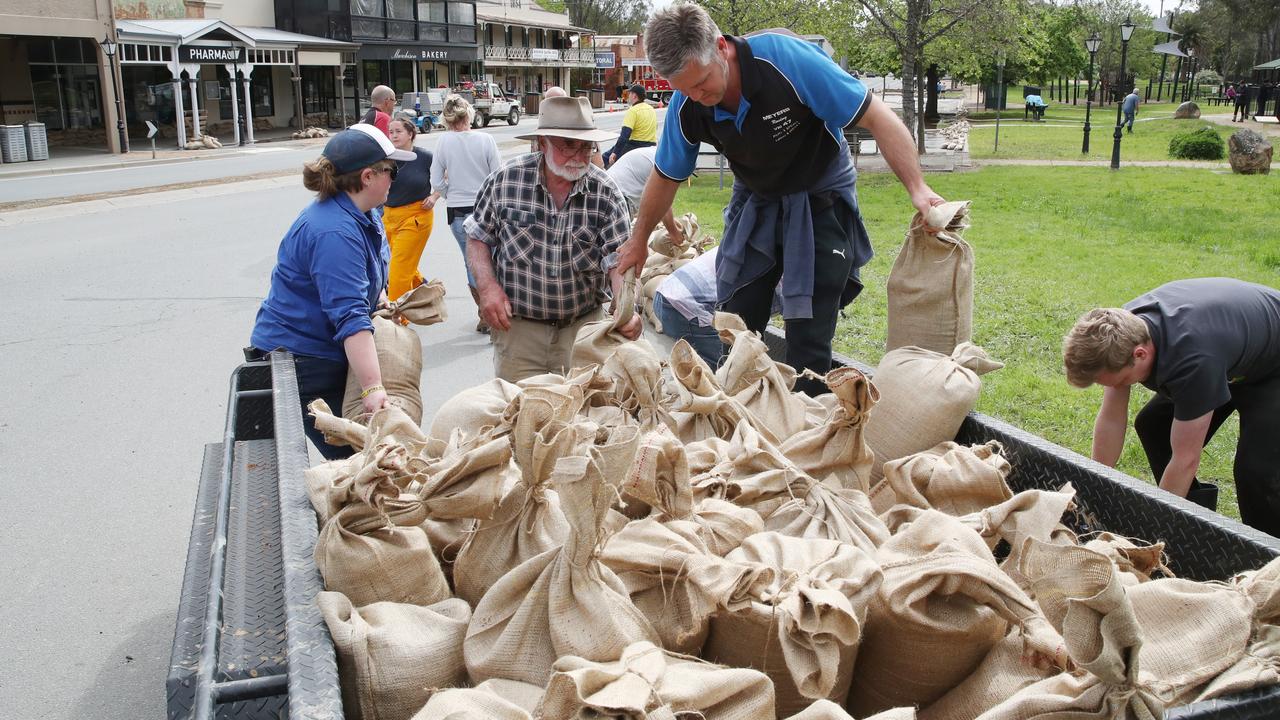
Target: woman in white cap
{"x":331,"y":274}
{"x":463,"y":160}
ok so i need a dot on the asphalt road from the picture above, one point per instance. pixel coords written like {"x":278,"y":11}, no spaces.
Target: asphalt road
{"x":124,"y":327}
{"x":205,"y":166}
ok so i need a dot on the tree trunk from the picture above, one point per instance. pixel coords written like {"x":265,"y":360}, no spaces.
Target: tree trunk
{"x":931,"y":81}
{"x":920,"y":93}
{"x":910,"y":66}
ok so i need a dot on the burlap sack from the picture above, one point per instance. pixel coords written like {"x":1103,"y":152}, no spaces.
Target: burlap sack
{"x":381,"y":467}
{"x":1260,"y":665}
{"x":1136,"y":561}
{"x":835,"y":452}
{"x":677,"y":582}
{"x":392,"y":657}
{"x":495,"y":699}
{"x":645,"y":682}
{"x":400,"y":361}
{"x":950,"y":478}
{"x":475,"y":410}
{"x":804,"y":631}
{"x":924,"y":397}
{"x":337,"y":431}
{"x":760,"y":383}
{"x":941,"y":608}
{"x":827,"y":710}
{"x":658,"y":478}
{"x":931,"y":285}
{"x":722,"y":525}
{"x":1081,"y":594}
{"x":528,"y":521}
{"x":562,"y":602}
{"x":373,"y":554}
{"x":423,"y":305}
{"x":1029,"y":514}
{"x":597,"y":340}
{"x":636,"y":371}
{"x":818,"y":511}
{"x":701,"y":409}
{"x":1003,"y":672}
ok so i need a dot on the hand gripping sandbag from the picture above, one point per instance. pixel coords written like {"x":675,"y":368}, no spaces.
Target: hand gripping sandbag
{"x":941,"y":608}
{"x":646,"y":682}
{"x":490,"y":700}
{"x":836,"y":451}
{"x":804,"y":630}
{"x":931,"y":285}
{"x":597,"y":340}
{"x":762,"y":384}
{"x":924,"y":397}
{"x":677,"y":582}
{"x":391,"y":656}
{"x":423,"y":305}
{"x":400,"y":362}
{"x":949,"y":478}
{"x":562,"y":602}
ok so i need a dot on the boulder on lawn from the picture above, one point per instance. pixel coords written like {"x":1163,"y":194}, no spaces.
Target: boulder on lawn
{"x":1187,"y":111}
{"x":1250,"y":153}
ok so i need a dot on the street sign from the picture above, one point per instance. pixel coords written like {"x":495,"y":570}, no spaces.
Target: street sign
{"x":151,"y":129}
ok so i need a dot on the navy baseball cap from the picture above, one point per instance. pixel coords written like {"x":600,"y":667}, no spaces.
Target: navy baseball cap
{"x":638,"y":89}
{"x":360,"y":146}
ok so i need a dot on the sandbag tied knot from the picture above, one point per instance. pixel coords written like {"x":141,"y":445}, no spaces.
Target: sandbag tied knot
{"x":423,"y":305}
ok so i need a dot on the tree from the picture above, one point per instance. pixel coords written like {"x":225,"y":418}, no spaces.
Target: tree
{"x":607,"y":17}
{"x":739,"y":17}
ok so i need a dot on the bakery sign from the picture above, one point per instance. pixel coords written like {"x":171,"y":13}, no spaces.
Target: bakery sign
{"x":206,"y":54}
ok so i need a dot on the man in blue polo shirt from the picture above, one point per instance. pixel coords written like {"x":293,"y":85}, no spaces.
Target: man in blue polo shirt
{"x":775,"y":106}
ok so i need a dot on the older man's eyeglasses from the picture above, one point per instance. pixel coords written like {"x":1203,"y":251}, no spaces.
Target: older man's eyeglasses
{"x":572,"y":147}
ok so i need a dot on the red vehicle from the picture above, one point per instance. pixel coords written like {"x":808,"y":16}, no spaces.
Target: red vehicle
{"x":656,"y":88}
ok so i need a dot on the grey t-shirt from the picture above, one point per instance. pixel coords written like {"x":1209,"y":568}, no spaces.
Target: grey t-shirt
{"x":1208,"y":334}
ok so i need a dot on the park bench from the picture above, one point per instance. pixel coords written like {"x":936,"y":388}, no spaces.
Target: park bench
{"x":856,"y":136}
{"x":1035,"y":105}
{"x":250,"y":641}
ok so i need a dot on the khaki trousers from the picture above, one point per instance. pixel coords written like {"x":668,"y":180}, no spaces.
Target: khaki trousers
{"x":534,"y":348}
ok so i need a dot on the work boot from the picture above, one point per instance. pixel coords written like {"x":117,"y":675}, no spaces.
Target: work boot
{"x":481,"y":327}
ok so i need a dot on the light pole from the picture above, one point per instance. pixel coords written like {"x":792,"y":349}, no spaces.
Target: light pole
{"x":1092,"y":44}
{"x":1126,"y":32}
{"x":109,"y":49}
{"x":1000,"y":96}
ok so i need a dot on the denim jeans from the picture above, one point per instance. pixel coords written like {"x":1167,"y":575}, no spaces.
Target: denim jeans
{"x":327,"y":380}
{"x":1128,"y":120}
{"x":461,"y":237}
{"x":705,"y":340}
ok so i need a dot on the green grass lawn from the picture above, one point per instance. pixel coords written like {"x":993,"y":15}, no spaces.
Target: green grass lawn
{"x":1049,"y":244}
{"x":1047,"y":141}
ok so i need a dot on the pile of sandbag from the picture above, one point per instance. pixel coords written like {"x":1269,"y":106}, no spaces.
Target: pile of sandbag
{"x":643,"y":537}
{"x":666,"y":255}
{"x":310,"y":132}
{"x":956,"y":134}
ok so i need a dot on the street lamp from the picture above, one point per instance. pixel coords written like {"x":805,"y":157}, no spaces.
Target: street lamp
{"x":1000,"y":96}
{"x":1091,"y":44}
{"x":1126,"y":32}
{"x":109,"y":49}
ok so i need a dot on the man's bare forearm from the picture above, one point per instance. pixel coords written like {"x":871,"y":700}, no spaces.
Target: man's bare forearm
{"x":480,"y":260}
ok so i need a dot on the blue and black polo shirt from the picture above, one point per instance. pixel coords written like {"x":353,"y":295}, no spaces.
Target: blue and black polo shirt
{"x":789,"y":127}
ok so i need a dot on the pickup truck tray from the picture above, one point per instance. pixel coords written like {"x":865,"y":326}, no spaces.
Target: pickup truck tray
{"x":250,"y":641}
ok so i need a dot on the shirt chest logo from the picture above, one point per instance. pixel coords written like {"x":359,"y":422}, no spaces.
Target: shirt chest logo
{"x":780,"y":123}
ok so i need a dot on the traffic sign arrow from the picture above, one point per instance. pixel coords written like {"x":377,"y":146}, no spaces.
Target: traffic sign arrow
{"x":151,"y":129}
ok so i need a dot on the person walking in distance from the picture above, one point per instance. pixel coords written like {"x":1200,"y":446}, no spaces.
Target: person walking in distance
{"x":463,"y":159}
{"x":1130,"y":108}
{"x":408,"y":214}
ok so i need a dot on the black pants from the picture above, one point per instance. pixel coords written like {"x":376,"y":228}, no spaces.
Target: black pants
{"x":1257,"y":464}
{"x":1241,"y":109}
{"x":808,"y":341}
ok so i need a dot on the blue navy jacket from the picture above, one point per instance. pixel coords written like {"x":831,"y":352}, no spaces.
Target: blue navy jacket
{"x":330,"y":272}
{"x":785,"y":142}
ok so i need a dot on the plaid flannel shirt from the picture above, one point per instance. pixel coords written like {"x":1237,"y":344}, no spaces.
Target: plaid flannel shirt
{"x":549,"y":261}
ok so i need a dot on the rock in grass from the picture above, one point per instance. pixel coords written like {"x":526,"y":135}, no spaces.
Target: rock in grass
{"x":1250,"y":153}
{"x":1187,"y":111}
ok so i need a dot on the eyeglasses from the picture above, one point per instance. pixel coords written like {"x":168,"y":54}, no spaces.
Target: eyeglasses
{"x":393,"y":169}
{"x":572,"y":147}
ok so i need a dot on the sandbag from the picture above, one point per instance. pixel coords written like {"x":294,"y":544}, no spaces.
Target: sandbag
{"x":941,"y":608}
{"x":598,"y":339}
{"x":1029,"y":514}
{"x":636,"y":371}
{"x":722,"y":525}
{"x":835,"y":452}
{"x":759,"y":382}
{"x":1002,"y":673}
{"x":562,"y":602}
{"x":924,"y":397}
{"x":474,"y":410}
{"x":827,"y":710}
{"x":392,"y":657}
{"x":645,"y":682}
{"x":490,"y":700}
{"x":1260,"y":665}
{"x":701,"y":408}
{"x":678,"y":582}
{"x":805,"y":629}
{"x":658,"y":477}
{"x":423,"y":305}
{"x":818,"y":511}
{"x":400,"y":362}
{"x":337,"y":430}
{"x":950,"y":478}
{"x":930,"y":288}
{"x":1136,"y":561}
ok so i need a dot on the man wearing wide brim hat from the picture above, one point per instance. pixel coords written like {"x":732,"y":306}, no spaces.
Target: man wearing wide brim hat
{"x":542,"y":242}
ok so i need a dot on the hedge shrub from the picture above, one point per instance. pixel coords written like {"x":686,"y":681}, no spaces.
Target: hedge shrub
{"x":1202,"y":144}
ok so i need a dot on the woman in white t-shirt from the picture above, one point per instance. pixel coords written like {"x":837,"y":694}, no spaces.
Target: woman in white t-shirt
{"x":463,"y":159}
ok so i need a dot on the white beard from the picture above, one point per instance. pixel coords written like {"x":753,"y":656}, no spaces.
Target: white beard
{"x":572,"y":171}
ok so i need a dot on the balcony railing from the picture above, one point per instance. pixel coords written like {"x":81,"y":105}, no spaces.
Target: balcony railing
{"x":549,"y":56}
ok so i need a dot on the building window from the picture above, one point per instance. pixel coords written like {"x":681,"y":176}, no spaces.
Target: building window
{"x":260,"y":91}
{"x":461,"y":13}
{"x":64,"y":87}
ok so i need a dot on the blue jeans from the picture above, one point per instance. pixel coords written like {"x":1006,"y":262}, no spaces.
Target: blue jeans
{"x":1128,"y":120}
{"x":461,"y":237}
{"x":705,"y":340}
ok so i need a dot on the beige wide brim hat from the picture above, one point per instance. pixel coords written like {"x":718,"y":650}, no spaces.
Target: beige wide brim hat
{"x":569,"y":118}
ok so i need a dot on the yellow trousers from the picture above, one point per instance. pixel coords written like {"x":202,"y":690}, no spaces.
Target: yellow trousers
{"x":408,"y":228}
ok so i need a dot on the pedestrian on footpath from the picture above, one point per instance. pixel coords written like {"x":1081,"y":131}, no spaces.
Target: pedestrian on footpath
{"x":330,"y":275}
{"x":775,"y":106}
{"x":463,"y":159}
{"x":1241,"y":105}
{"x":541,"y":243}
{"x":1130,"y":109}
{"x":639,"y":126}
{"x":1206,"y":347}
{"x":409,"y":212}
{"x":382,"y":100}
